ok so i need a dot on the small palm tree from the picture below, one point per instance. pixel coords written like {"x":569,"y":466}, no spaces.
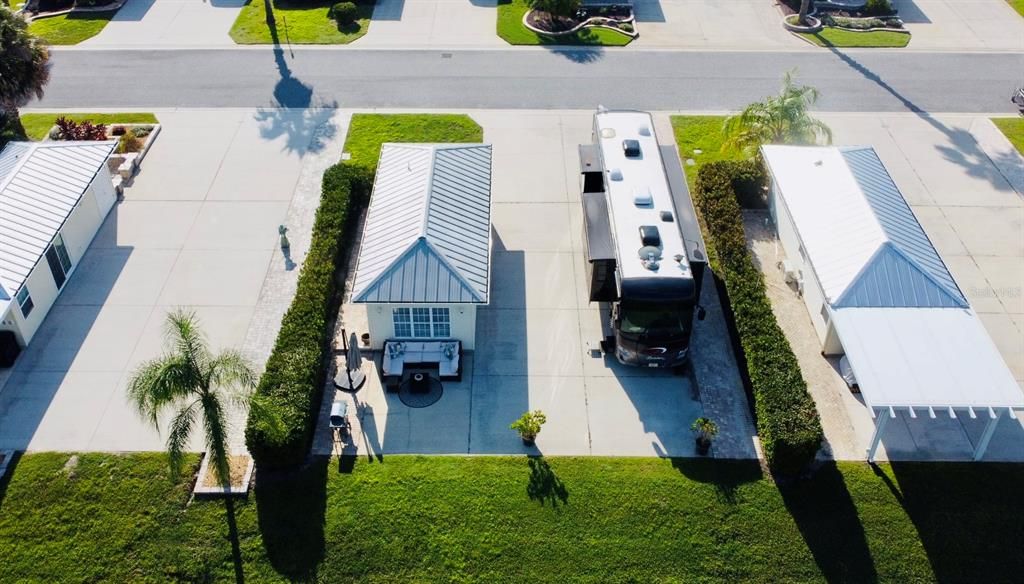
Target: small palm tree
{"x":805,"y":8}
{"x":24,"y":69}
{"x":781,"y":119}
{"x":193,"y":382}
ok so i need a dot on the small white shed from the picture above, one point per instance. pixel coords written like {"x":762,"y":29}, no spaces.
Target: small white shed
{"x":53,"y":198}
{"x":878,"y":292}
{"x":424,"y":262}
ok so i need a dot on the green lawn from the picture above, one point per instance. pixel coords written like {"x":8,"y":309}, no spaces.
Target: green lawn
{"x":297,"y":23}
{"x":367,"y":132}
{"x":702,"y":133}
{"x":70,"y":29}
{"x":1017,"y":5}
{"x":835,"y":37}
{"x":37,"y":125}
{"x":511,"y":29}
{"x":505,"y":519}
{"x":1014,"y":130}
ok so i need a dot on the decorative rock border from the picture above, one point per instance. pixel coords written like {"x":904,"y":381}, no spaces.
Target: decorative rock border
{"x":592,"y":22}
{"x":204,"y":469}
{"x":815,"y":24}
{"x":902,"y":28}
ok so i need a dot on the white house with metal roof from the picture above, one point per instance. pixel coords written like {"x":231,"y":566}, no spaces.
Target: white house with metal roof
{"x":53,"y":198}
{"x":424,"y":262}
{"x":878,"y":292}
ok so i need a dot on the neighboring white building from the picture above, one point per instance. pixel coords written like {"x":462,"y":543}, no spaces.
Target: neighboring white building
{"x":878,"y":292}
{"x":53,"y":198}
{"x":425,"y":255}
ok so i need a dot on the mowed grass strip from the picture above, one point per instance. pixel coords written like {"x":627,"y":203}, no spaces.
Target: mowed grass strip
{"x":72,"y":28}
{"x":38,"y":125}
{"x":511,"y":29}
{"x":297,"y":23}
{"x":514,"y":519}
{"x":367,"y":132}
{"x":1013,"y":128}
{"x":839,"y":38}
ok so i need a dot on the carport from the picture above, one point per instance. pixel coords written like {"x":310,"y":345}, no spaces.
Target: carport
{"x":926,"y":362}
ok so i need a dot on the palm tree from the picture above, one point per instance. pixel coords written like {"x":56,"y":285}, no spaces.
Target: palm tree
{"x":805,"y":7}
{"x":781,"y":119}
{"x":193,"y":382}
{"x":24,"y":69}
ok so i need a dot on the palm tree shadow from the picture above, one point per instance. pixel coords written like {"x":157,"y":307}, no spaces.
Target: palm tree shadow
{"x":295,"y":112}
{"x":236,"y":548}
{"x":544,"y":485}
{"x":962,"y":150}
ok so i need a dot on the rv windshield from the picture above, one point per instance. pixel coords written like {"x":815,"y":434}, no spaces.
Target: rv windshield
{"x":662,"y":320}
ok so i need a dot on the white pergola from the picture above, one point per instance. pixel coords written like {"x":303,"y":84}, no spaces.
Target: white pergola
{"x":927,"y":361}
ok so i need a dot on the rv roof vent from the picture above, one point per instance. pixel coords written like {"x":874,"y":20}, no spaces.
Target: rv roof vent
{"x":644,"y":131}
{"x":643,"y":197}
{"x":607,"y":132}
{"x":666,"y":216}
{"x":631,"y":148}
{"x":615,"y":174}
{"x":649,"y":235}
{"x":649,"y":252}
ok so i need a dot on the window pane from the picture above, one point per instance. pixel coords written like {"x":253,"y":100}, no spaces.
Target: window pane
{"x":55,"y":268}
{"x":401,"y":315}
{"x":421,"y":329}
{"x":442,"y":330}
{"x":25,"y":301}
{"x":440,"y":314}
{"x":403,"y":329}
{"x":421,"y":315}
{"x":62,"y":253}
{"x":401,"y":318}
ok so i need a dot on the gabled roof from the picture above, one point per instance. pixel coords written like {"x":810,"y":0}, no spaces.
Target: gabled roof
{"x":40,"y":184}
{"x":860,"y":235}
{"x":427,"y":236}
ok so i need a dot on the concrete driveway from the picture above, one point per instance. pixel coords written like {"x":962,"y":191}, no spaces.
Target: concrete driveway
{"x":433,"y":23}
{"x":170,"y":23}
{"x":197,"y":229}
{"x":541,"y":334}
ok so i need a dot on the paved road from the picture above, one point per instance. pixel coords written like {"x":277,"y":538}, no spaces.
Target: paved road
{"x":880,"y":81}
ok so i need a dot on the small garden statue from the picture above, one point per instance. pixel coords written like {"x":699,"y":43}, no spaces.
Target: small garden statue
{"x":528,"y":425}
{"x":283,"y":231}
{"x":706,"y":429}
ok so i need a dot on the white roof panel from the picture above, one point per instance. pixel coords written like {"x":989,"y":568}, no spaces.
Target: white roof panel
{"x":40,"y":184}
{"x":925,"y":357}
{"x":860,"y":235}
{"x":427,"y":236}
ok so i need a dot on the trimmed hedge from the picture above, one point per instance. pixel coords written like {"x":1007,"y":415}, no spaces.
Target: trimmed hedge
{"x":787,"y":421}
{"x":295,"y":373}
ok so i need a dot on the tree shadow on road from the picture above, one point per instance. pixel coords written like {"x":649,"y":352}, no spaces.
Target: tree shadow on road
{"x":295,"y":112}
{"x":962,"y":149}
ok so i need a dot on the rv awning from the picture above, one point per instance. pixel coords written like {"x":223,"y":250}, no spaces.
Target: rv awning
{"x":598,"y":229}
{"x":914,"y":359}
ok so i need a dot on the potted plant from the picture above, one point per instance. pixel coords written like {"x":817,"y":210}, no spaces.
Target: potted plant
{"x":706,"y":429}
{"x":528,"y":425}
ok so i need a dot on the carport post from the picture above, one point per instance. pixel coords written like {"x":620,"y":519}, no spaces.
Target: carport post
{"x":986,"y":437}
{"x":881,"y":419}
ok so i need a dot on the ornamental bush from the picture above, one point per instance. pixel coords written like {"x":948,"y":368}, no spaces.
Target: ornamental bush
{"x":787,"y":420}
{"x":293,"y":381}
{"x":344,"y":12}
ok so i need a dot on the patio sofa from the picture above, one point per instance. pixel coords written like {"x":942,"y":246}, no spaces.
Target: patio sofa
{"x":399,"y":355}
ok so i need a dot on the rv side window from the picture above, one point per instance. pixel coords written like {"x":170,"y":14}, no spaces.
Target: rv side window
{"x":25,"y":301}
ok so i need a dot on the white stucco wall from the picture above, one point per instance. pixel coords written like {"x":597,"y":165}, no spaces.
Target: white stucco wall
{"x":813,"y":296}
{"x":78,"y":232}
{"x":381,"y":324}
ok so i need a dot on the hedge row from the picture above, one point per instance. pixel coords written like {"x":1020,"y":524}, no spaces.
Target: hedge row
{"x":294,"y":377}
{"x":787,"y":420}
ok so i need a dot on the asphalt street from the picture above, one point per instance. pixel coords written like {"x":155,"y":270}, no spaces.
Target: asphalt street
{"x":876,"y":81}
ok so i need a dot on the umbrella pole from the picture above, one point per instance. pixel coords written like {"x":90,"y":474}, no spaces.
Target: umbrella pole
{"x":344,"y":345}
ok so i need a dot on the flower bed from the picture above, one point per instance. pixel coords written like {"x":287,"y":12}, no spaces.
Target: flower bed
{"x":541,"y":22}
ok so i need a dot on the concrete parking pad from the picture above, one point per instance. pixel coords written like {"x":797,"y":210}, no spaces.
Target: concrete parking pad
{"x":433,"y":23}
{"x":957,"y":25}
{"x":196,"y":229}
{"x":170,"y":23}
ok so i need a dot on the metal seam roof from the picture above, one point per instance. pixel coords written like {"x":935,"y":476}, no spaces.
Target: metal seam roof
{"x":427,"y":231}
{"x":40,"y":184}
{"x":860,"y":235}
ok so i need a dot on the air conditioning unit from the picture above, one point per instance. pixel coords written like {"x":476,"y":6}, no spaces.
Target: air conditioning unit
{"x":792,"y":275}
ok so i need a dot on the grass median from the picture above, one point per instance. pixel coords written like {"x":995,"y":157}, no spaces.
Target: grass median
{"x":38,"y":125}
{"x":1013,"y":128}
{"x":515,"y":519}
{"x":839,"y":38}
{"x":297,"y":23}
{"x":72,"y":28}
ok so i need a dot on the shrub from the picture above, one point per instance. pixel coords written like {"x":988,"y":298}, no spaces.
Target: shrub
{"x":143,"y":131}
{"x":528,"y":425}
{"x":344,"y":12}
{"x":118,"y":131}
{"x":627,"y":27}
{"x":129,"y":142}
{"x":294,"y":377}
{"x":787,"y":421}
{"x":71,"y":130}
{"x":556,"y":7}
{"x":878,"y":8}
